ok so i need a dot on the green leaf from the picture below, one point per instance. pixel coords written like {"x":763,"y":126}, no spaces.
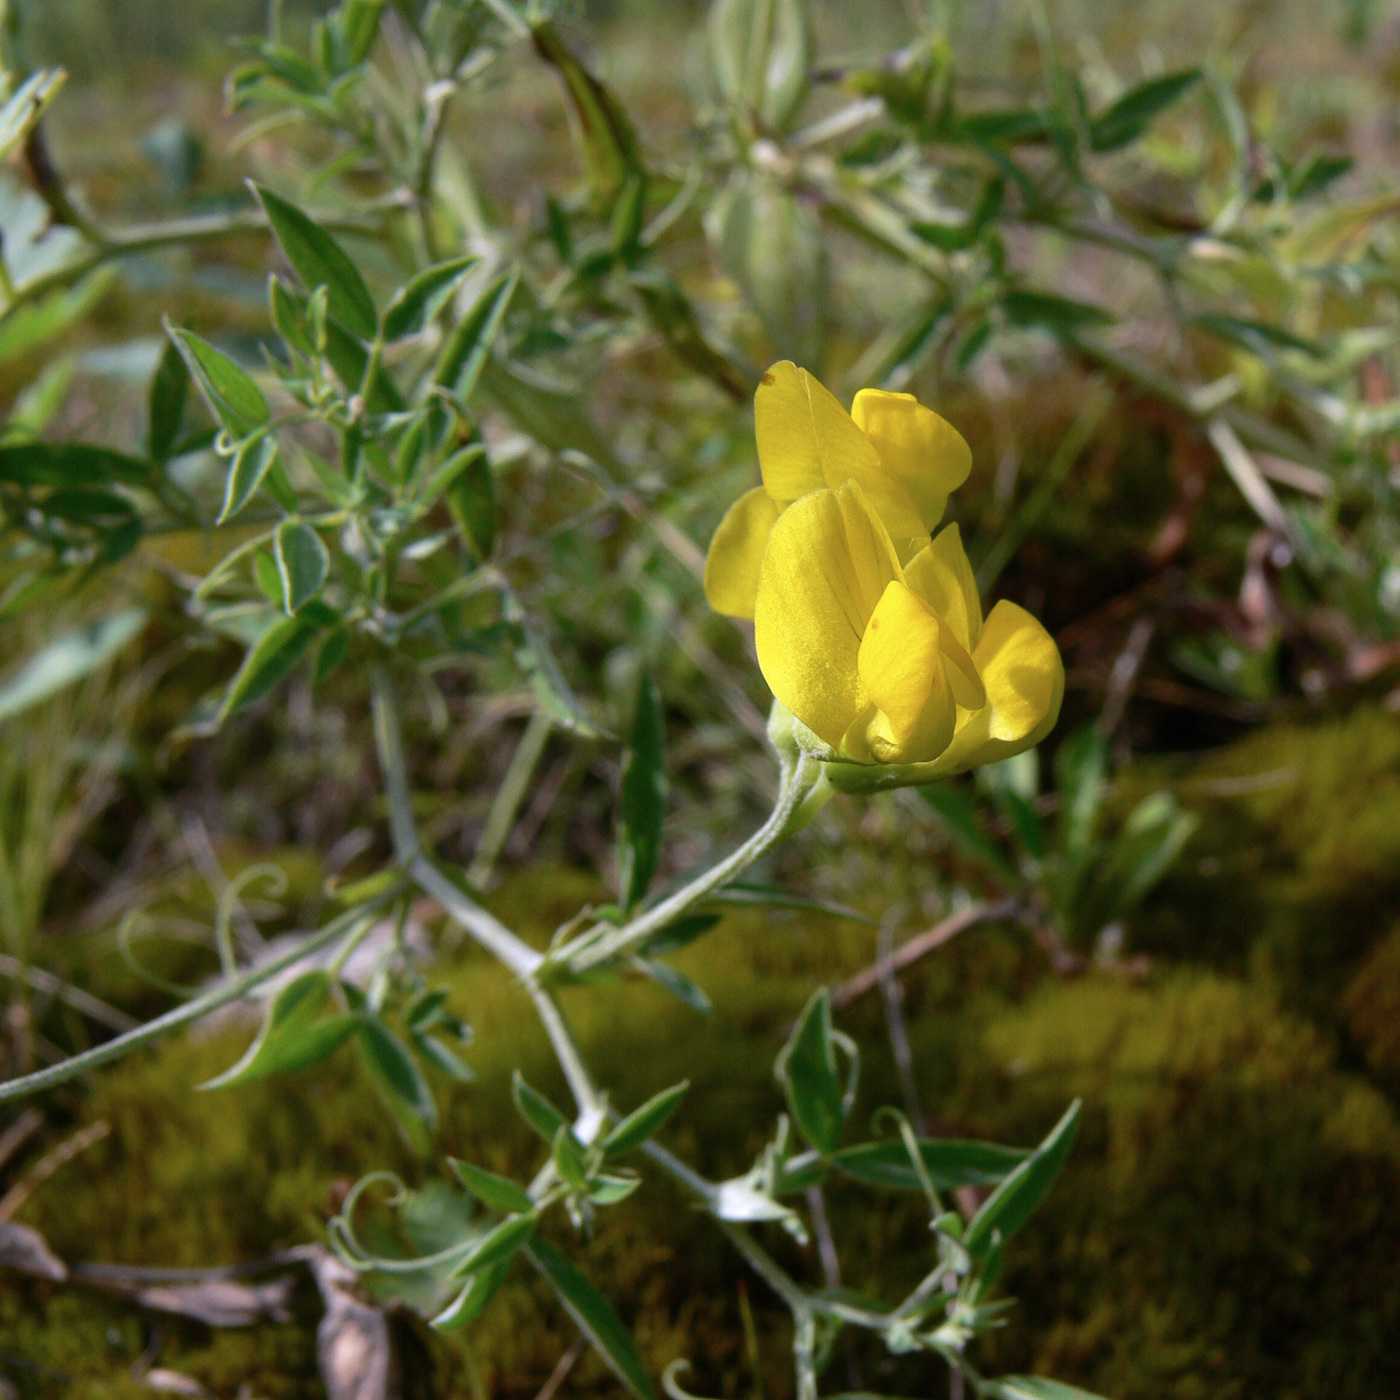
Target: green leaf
{"x":294,"y":1033}
{"x":1036,"y":1388}
{"x":498,"y":1192}
{"x":70,"y":465}
{"x":319,"y":261}
{"x":642,"y":801}
{"x":674,"y":981}
{"x":1081,"y":772}
{"x":67,"y":659}
{"x":568,"y":1159}
{"x":949,"y":1162}
{"x":546,"y":679}
{"x":594,"y":1317}
{"x":471,"y":498}
{"x":233,"y":398}
{"x":1053,"y":313}
{"x":536,"y":1110}
{"x":268,"y":660}
{"x":1258,"y":337}
{"x":418,"y":301}
{"x":302,"y":563}
{"x":678,"y":933}
{"x":644,"y":1122}
{"x":166,"y":403}
{"x":467,"y":1306}
{"x":497,"y":1245}
{"x":959,"y":811}
{"x":1014,"y":1201}
{"x":463,"y":356}
{"x":605,"y":1190}
{"x":773,"y":898}
{"x":393,"y":1068}
{"x":349,"y":359}
{"x":250,"y":466}
{"x":609,"y":144}
{"x":807,"y":1069}
{"x":1129,"y":117}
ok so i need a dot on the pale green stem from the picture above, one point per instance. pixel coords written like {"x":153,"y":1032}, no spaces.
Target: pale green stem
{"x":600,"y":945}
{"x":219,"y":995}
{"x":482,"y":925}
{"x":508,"y":798}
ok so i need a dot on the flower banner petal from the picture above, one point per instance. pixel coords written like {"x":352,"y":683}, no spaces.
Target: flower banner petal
{"x":736,"y":552}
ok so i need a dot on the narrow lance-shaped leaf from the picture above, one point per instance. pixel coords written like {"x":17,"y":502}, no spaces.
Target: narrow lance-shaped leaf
{"x":67,"y":659}
{"x":949,"y":1163}
{"x":498,"y":1244}
{"x":418,"y":301}
{"x":807,"y":1070}
{"x":466,"y":1307}
{"x":594,"y":1317}
{"x":608,"y":142}
{"x":246,"y":472}
{"x":269,"y":659}
{"x":166,"y":403}
{"x":645,"y":1122}
{"x":393,"y":1067}
{"x":536,"y":1110}
{"x":460,"y":364}
{"x":1014,"y":1201}
{"x":302,"y":563}
{"x":294,"y":1033}
{"x":498,"y":1192}
{"x":642,"y":802}
{"x":1133,"y":113}
{"x":319,"y":261}
{"x":233,"y":397}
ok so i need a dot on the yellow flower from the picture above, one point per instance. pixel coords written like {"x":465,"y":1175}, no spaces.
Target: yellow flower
{"x":871,"y":637}
{"x":904,"y":457}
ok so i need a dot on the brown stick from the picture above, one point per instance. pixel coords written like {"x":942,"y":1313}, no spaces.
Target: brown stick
{"x":914,"y":948}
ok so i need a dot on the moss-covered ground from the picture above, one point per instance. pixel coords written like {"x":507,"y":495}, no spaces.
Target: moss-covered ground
{"x":1228,"y":1226}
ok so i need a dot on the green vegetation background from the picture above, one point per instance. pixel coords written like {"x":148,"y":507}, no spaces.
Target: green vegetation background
{"x":1229,"y":1225}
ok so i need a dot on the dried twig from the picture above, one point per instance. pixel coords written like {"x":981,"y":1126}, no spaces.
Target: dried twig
{"x":47,"y":1165}
{"x":566,"y":1364}
{"x":915,"y":948}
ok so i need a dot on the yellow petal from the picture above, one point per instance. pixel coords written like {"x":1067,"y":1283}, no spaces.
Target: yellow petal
{"x":731,"y":566}
{"x":806,"y":440}
{"x":901,"y":666}
{"x":918,"y":447}
{"x":828,"y":561}
{"x":942,"y":575}
{"x":1025,"y":679}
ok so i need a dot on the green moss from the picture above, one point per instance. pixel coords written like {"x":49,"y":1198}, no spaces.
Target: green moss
{"x":1227,"y":1226}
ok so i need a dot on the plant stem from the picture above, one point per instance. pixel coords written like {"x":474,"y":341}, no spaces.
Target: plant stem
{"x":220,"y":995}
{"x":599,"y":945}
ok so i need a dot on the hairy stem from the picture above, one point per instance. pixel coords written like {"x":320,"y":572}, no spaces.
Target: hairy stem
{"x":600,"y":945}
{"x":221,"y":994}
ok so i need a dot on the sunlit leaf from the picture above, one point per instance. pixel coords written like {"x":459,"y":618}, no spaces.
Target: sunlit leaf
{"x":594,"y":1316}
{"x":233,"y":398}
{"x":319,"y":261}
{"x":302,"y":563}
{"x":1015,"y":1200}
{"x":808,"y":1071}
{"x":294,"y":1033}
